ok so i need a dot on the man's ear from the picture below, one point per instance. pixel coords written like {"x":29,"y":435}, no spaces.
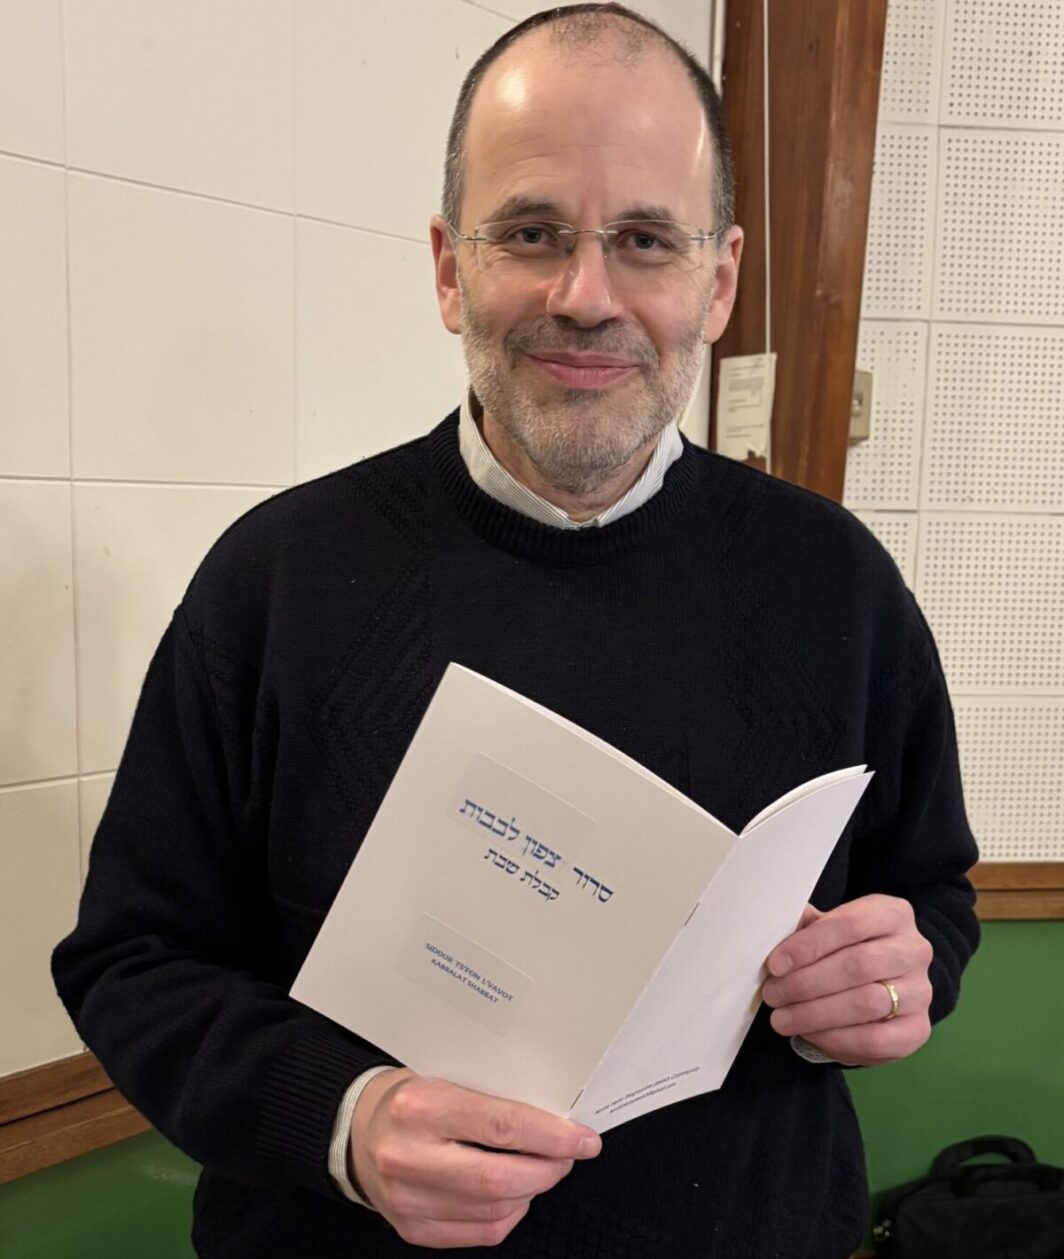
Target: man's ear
{"x":724,"y":285}
{"x":445,"y":261}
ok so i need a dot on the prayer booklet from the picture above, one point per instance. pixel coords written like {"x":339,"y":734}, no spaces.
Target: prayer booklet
{"x":535,"y":915}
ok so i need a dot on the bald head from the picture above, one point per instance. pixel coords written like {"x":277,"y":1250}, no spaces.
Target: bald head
{"x":586,"y":35}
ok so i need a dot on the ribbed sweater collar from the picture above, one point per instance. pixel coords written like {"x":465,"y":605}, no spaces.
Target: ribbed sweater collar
{"x":514,"y":532}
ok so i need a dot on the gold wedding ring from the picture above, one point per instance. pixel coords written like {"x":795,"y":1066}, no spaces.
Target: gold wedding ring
{"x":892,"y":992}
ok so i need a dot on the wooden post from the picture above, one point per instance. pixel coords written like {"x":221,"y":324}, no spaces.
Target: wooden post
{"x":825,"y":58}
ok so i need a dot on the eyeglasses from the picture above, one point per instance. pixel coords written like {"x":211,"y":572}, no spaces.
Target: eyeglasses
{"x":535,"y":248}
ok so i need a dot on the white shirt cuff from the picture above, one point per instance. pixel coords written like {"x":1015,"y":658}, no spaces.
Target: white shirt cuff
{"x":810,"y":1052}
{"x":341,"y":1137}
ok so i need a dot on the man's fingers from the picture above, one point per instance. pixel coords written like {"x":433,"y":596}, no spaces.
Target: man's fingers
{"x":874,"y":1043}
{"x":809,"y":914}
{"x":417,"y":1202}
{"x":454,"y":1169}
{"x":863,"y":963}
{"x":868,"y":1003}
{"x":460,"y":1114}
{"x":862,"y":919}
{"x":437,"y":1234}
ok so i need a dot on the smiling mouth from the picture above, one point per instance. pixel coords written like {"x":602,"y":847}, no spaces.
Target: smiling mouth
{"x":592,"y":373}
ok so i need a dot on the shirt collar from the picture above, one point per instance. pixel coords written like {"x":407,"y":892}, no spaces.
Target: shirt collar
{"x":493,"y":479}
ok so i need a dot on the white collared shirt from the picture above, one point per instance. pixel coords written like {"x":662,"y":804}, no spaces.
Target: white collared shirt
{"x":489,"y":474}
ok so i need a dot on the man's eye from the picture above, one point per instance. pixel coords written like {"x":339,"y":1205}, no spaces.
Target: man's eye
{"x":644,"y":240}
{"x":531,"y":235}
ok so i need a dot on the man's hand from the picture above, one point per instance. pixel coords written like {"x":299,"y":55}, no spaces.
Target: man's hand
{"x":826,"y":981}
{"x":414,"y":1155}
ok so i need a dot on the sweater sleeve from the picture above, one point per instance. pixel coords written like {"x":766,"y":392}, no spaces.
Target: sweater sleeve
{"x":167,"y":974}
{"x":915,"y":841}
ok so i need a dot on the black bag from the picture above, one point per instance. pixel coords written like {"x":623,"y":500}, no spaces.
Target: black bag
{"x":1012,"y":1210}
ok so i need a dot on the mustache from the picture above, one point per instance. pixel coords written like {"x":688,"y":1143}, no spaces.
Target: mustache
{"x":543,"y":335}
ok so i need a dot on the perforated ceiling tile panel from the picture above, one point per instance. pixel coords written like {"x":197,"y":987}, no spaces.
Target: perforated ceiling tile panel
{"x":897,"y":532}
{"x":995,"y":419}
{"x":1012,"y":765}
{"x":884,"y":470}
{"x":1003,"y":63}
{"x":1000,"y":248}
{"x":912,"y":53}
{"x":992,"y":588}
{"x":897,"y":279}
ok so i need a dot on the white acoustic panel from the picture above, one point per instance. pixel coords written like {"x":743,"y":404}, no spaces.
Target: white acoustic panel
{"x":1000,"y":248}
{"x":897,"y":531}
{"x":884,"y":470}
{"x":992,"y":587}
{"x":1013,"y":771}
{"x":995,"y":419}
{"x":897,"y":279}
{"x":912,"y":52}
{"x":1003,"y":63}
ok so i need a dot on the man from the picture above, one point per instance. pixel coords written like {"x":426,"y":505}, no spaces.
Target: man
{"x":735,"y":634}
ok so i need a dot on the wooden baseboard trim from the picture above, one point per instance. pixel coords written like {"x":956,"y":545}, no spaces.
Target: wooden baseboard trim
{"x":1015,"y":890}
{"x":56,"y":1112}
{"x":44,"y":1088}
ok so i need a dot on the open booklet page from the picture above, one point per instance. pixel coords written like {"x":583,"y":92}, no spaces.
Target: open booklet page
{"x":520,"y":887}
{"x":685,"y":1030}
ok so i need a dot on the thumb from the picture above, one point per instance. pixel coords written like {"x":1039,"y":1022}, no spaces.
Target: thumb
{"x":809,"y":914}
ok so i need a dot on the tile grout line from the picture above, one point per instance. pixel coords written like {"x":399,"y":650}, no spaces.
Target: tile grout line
{"x":294,"y":413}
{"x":475,"y":4}
{"x":214,"y":199}
{"x":70,"y":436}
{"x":30,"y":783}
{"x":136,"y":483}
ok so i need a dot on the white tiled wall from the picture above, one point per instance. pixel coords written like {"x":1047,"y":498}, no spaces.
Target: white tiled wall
{"x":214,"y":280}
{"x":31,"y":78}
{"x":33,"y":320}
{"x":963,"y":326}
{"x":38,"y":902}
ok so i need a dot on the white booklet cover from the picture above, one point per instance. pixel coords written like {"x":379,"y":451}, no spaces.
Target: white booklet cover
{"x":535,"y":915}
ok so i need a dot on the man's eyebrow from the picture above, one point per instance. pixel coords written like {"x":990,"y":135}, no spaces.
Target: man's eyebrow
{"x":521,"y":207}
{"x":658,"y":213}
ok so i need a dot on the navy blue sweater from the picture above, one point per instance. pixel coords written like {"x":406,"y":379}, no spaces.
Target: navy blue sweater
{"x":735,"y":634}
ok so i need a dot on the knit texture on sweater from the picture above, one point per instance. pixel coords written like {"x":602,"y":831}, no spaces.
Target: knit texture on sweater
{"x":736,"y":635}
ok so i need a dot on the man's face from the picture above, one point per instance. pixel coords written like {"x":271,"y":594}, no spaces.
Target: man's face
{"x":583,"y":366}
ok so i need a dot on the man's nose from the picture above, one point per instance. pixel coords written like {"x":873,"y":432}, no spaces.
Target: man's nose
{"x":582,"y":290}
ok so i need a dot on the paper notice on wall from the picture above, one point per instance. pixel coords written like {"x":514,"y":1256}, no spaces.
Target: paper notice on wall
{"x":744,"y":405}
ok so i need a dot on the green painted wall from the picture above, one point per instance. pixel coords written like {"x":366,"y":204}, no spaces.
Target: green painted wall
{"x":997,"y":1065}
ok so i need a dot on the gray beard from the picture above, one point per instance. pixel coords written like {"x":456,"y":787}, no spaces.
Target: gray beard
{"x":581,"y":439}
